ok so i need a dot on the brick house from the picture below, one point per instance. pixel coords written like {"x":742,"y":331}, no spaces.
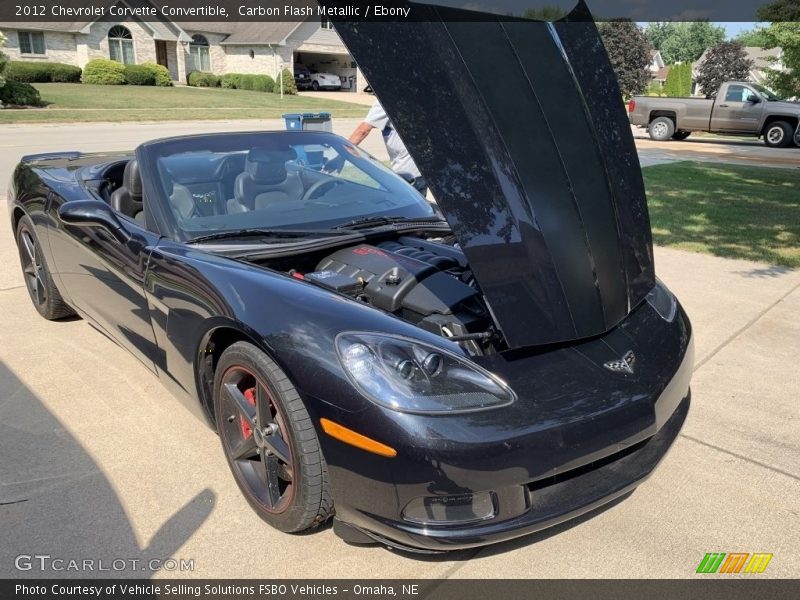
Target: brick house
{"x":183,"y":47}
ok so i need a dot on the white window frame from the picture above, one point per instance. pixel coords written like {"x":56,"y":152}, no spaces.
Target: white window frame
{"x":200,"y":52}
{"x":29,"y":35}
{"x":120,"y":43}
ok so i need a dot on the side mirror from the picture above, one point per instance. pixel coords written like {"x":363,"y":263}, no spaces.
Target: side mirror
{"x":93,"y":213}
{"x":754,"y":99}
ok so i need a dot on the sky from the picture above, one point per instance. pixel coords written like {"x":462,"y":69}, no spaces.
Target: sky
{"x":733,"y":29}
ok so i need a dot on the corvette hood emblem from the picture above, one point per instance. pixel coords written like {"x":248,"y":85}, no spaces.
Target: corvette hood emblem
{"x":626,"y":364}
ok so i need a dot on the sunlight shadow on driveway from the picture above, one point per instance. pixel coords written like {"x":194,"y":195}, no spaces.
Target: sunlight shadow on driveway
{"x":55,"y":500}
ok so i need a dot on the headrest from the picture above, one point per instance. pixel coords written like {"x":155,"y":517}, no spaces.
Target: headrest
{"x":132,"y":179}
{"x":268,"y":166}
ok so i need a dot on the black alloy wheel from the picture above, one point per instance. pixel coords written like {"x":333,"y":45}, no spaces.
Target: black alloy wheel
{"x":41,"y":288}
{"x":269,"y":441}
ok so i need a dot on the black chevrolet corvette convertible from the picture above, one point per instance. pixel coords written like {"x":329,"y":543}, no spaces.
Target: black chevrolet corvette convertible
{"x":432,"y":376}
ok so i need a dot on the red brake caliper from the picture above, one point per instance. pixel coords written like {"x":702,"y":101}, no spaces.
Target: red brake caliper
{"x":250,"y":396}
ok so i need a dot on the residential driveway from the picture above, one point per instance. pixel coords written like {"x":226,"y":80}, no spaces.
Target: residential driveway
{"x":99,"y":461}
{"x":745,"y":151}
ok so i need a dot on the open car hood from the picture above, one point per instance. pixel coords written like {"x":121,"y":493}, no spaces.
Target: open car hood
{"x":520,"y":130}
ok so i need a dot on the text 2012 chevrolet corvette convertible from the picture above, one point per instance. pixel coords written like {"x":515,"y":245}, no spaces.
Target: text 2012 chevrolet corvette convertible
{"x":434,"y":384}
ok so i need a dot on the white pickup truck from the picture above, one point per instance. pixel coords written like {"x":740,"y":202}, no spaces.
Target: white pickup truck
{"x":738,"y":108}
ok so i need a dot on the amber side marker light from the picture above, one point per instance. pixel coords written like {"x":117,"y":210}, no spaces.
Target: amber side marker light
{"x":348,"y":436}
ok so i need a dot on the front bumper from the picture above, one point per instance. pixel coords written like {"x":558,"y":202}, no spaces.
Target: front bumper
{"x":581,"y":440}
{"x":565,"y":497}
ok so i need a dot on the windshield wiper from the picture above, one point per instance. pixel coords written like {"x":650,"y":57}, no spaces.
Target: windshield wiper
{"x":366,"y":222}
{"x":264,"y":233}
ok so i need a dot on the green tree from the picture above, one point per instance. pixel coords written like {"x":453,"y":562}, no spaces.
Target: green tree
{"x":783,"y":33}
{"x":756,"y":37}
{"x":683,"y":42}
{"x":289,"y":86}
{"x":727,"y":61}
{"x":3,"y":59}
{"x":679,"y":81}
{"x":786,"y":36}
{"x":780,"y":10}
{"x":545,"y":13}
{"x":629,"y":53}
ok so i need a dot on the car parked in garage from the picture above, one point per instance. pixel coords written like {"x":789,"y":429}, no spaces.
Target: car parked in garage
{"x":325,"y":81}
{"x":302,"y":77}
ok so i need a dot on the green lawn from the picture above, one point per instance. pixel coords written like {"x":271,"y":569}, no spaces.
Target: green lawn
{"x":78,"y":102}
{"x":726,"y":210}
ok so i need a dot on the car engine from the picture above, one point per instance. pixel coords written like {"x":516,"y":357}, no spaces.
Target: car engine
{"x":426,"y":282}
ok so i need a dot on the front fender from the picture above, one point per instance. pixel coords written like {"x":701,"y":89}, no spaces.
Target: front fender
{"x":193,"y":293}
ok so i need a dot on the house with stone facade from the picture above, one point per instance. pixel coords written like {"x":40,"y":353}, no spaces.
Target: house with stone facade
{"x":215,"y":47}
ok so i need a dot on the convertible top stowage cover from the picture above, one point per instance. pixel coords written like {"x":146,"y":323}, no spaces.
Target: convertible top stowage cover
{"x":520,"y":130}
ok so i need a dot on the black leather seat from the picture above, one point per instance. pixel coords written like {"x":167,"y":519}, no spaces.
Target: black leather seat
{"x":266,"y":180}
{"x":127,"y":199}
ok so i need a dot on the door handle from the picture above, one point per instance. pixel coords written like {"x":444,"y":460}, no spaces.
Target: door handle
{"x":724,"y":106}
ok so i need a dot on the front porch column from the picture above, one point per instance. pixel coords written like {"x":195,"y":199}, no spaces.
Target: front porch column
{"x":181,"y":54}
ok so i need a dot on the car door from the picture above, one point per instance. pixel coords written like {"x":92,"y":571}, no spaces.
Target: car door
{"x":103,"y":277}
{"x":738,"y":111}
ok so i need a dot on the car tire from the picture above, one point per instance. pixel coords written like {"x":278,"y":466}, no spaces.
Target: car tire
{"x":661,"y":129}
{"x":778,"y":134}
{"x":41,"y":288}
{"x":681,"y":135}
{"x":315,"y":86}
{"x":269,"y":441}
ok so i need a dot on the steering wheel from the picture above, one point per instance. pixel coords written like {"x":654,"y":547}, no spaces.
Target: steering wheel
{"x":319,"y":184}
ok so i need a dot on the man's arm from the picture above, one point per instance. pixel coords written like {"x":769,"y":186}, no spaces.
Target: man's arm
{"x":361,"y":132}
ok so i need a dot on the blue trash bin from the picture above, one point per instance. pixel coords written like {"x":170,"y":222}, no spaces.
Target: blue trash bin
{"x":308,"y":121}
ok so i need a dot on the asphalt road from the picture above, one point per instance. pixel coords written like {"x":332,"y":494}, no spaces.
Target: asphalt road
{"x":97,"y":460}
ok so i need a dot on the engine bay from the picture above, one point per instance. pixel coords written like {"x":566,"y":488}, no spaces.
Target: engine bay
{"x":426,"y":281}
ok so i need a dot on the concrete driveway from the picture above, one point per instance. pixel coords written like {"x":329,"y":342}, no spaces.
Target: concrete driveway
{"x":99,"y":461}
{"x":743,"y":151}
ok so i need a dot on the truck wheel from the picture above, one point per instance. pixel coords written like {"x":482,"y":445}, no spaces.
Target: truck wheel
{"x":681,"y":134}
{"x":778,"y":134}
{"x":661,"y":129}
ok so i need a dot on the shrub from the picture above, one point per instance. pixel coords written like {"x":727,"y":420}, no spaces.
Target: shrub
{"x":263,"y":83}
{"x":246,"y":82}
{"x":231,"y":81}
{"x":139,"y":75}
{"x":3,"y":60}
{"x":160,"y":74}
{"x":20,"y":94}
{"x":102,"y":71}
{"x":289,"y":86}
{"x":200,"y":79}
{"x":679,"y":80}
{"x":42,"y":72}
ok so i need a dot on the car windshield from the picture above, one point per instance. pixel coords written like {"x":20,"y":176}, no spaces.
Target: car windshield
{"x":766,"y":94}
{"x":299,"y":181}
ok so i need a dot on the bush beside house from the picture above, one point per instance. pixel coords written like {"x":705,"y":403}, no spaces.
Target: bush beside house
{"x":679,"y":81}
{"x":102,"y":71}
{"x":42,"y":72}
{"x":160,"y":74}
{"x":289,"y":86}
{"x":201,"y":79}
{"x":241,"y":81}
{"x":16,"y":93}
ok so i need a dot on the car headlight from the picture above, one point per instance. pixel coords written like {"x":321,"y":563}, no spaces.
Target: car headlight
{"x":663,"y":301}
{"x":411,"y":376}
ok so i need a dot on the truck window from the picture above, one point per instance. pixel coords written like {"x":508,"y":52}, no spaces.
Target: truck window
{"x":735,"y":93}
